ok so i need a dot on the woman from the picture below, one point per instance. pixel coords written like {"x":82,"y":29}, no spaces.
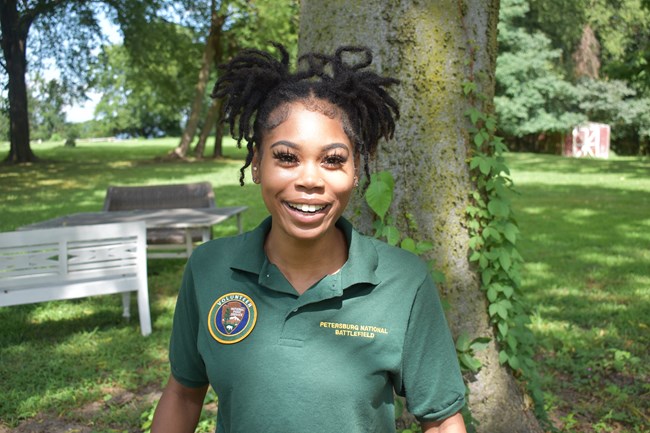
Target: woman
{"x":303,"y":324}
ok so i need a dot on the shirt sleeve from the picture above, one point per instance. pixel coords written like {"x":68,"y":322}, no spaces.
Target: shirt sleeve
{"x":431,"y":379}
{"x":186,"y":362}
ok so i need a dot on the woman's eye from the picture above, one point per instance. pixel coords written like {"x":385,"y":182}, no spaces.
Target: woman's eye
{"x":285,"y":157}
{"x":334,"y":160}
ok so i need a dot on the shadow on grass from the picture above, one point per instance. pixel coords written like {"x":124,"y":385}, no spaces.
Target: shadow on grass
{"x":593,"y":269}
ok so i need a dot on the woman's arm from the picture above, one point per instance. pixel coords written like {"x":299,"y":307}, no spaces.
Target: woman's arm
{"x":453,"y":424}
{"x":179,"y":408}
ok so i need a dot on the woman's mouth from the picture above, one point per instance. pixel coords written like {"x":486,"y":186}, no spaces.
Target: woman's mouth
{"x":307,"y":208}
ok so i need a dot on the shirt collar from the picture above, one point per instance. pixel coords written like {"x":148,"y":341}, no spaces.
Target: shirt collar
{"x":359,"y":268}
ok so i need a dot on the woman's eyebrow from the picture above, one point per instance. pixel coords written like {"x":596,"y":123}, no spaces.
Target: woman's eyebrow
{"x":325,"y":148}
{"x":285,"y":143}
{"x":335,"y":146}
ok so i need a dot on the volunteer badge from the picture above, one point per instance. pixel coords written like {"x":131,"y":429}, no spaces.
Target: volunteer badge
{"x":232,"y":318}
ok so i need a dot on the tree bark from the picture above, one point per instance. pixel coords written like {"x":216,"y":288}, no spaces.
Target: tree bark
{"x":433,"y":47}
{"x":218,"y":137}
{"x":14,"y":39}
{"x":208,"y":124}
{"x":216,"y":21}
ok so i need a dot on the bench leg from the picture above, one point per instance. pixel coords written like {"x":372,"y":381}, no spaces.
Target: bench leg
{"x":239,"y":225}
{"x":143,"y":307}
{"x":188,"y":242}
{"x":126,"y":305}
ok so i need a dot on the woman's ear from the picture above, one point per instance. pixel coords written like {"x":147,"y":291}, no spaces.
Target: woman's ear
{"x":357,"y":169}
{"x":255,"y":166}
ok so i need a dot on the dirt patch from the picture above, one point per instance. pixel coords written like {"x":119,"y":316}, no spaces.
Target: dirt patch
{"x":77,"y":421}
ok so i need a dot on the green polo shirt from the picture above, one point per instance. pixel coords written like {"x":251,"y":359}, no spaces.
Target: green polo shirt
{"x":325,"y":361}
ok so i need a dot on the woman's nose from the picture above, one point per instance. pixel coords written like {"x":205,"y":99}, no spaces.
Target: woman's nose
{"x":310,"y":176}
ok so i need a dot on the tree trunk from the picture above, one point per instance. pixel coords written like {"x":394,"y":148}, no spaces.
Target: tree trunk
{"x":14,"y":39}
{"x":216,"y":21}
{"x":218,"y":138}
{"x":208,"y":124}
{"x":433,"y":47}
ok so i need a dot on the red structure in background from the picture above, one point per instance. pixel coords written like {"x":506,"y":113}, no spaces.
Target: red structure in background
{"x":588,"y":140}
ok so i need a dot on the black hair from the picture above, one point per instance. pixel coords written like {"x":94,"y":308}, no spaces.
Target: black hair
{"x":254,"y":84}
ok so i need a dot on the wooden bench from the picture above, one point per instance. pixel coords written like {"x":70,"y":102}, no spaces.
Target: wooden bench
{"x":75,"y":262}
{"x":164,"y":242}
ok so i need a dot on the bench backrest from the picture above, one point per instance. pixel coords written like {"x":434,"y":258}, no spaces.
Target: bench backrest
{"x":188,"y":195}
{"x":64,"y":256}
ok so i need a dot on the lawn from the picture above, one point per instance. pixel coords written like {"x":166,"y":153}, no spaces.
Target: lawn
{"x":585,"y":236}
{"x":586,"y":242}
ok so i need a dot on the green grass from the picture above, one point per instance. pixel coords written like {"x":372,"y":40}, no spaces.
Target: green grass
{"x":586,"y":240}
{"x":585,"y":235}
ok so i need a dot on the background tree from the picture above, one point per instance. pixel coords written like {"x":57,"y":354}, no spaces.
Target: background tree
{"x":433,"y":47}
{"x":533,"y":98}
{"x":233,"y":25}
{"x":76,"y":23}
{"x":47,"y":99}
{"x":149,"y":95}
{"x":587,"y":45}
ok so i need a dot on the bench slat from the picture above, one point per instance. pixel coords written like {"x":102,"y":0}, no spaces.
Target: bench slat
{"x":73,"y":262}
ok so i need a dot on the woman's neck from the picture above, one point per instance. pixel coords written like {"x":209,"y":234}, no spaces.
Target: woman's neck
{"x":304,"y":263}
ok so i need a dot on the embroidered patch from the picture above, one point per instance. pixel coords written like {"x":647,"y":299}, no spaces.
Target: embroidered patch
{"x":232,"y":318}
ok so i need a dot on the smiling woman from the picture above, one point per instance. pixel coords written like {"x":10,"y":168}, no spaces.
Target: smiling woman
{"x":250,"y":312}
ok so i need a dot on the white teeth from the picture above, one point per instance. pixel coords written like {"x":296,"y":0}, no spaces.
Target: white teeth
{"x":306,"y":207}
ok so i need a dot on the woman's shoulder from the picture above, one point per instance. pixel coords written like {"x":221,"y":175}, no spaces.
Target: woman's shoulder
{"x":391,"y":257}
{"x":222,"y":249}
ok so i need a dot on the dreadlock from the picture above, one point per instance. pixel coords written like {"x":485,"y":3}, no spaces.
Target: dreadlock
{"x":258,"y":87}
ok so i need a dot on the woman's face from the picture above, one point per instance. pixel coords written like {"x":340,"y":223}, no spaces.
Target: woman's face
{"x":306,"y":170}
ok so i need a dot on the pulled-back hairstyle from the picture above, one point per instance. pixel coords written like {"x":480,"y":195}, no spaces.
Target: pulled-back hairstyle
{"x":255,"y":84}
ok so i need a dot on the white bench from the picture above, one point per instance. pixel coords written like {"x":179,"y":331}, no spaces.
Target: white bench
{"x":75,"y":262}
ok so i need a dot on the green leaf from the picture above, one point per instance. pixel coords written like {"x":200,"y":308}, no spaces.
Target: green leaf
{"x":470,"y":362}
{"x":513,"y":361}
{"x":469,"y":87}
{"x":510,"y":232}
{"x":462,"y":342}
{"x":503,"y":328}
{"x":474,"y":115}
{"x":438,"y":276}
{"x":479,"y":139}
{"x":423,"y":246}
{"x":483,"y":261}
{"x":502,"y":310}
{"x":485,"y":165}
{"x":480,"y":343}
{"x":508,"y":291}
{"x":504,"y":260}
{"x":512,"y":342}
{"x":486,"y":276}
{"x":503,"y":357}
{"x":391,"y":234}
{"x":379,"y":194}
{"x":474,"y":162}
{"x":498,"y":208}
{"x":492,"y":294}
{"x":408,"y":244}
{"x":490,"y":124}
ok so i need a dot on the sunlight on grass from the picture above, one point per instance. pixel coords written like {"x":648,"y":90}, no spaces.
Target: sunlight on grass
{"x":585,"y":237}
